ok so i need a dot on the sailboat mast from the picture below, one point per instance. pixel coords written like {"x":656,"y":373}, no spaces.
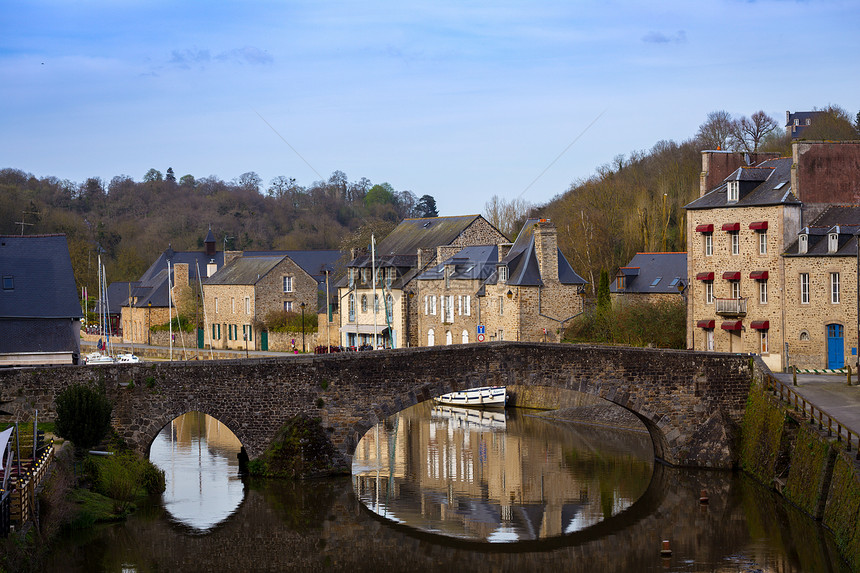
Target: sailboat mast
{"x":373,"y":266}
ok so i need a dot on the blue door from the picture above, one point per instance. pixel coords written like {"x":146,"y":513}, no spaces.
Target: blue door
{"x":835,"y":346}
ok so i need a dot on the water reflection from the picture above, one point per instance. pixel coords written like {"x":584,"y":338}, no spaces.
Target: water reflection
{"x":198,"y":455}
{"x":497,"y":476}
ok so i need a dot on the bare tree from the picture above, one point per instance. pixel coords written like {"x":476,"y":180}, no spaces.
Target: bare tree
{"x":749,"y":132}
{"x":716,"y":132}
{"x":504,"y":215}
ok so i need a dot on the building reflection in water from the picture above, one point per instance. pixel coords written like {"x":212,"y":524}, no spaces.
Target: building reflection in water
{"x":497,"y":476}
{"x":199,"y":457}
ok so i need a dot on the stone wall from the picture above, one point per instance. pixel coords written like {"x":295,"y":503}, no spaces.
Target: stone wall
{"x":691,"y":403}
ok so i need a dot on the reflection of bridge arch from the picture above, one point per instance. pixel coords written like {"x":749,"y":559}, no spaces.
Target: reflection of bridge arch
{"x":692,"y":403}
{"x":151,"y":428}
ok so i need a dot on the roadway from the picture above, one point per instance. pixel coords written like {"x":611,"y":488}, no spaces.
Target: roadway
{"x":831,"y":394}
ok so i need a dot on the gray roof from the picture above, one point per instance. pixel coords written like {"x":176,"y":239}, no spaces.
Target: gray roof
{"x":315,"y":263}
{"x":244,"y":270}
{"x":841,"y":219}
{"x":152,"y":286}
{"x":653,"y":273}
{"x":768,"y":183}
{"x":429,"y":233}
{"x":117,"y":296}
{"x":470,"y":263}
{"x":522,"y":263}
{"x":43,"y":282}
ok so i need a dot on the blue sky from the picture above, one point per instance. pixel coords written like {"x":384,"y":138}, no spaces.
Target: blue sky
{"x":457,"y":99}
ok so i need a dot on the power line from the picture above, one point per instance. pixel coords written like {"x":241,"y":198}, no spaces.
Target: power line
{"x":290,"y":146}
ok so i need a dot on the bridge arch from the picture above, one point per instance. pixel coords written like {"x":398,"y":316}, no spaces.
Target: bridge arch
{"x":151,"y":428}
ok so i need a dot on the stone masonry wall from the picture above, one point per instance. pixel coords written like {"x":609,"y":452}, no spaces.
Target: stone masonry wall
{"x":691,"y":403}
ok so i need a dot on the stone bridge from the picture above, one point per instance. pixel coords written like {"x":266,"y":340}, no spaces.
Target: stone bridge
{"x":691,"y":403}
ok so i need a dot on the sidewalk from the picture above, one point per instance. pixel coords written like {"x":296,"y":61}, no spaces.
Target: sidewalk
{"x":831,"y":394}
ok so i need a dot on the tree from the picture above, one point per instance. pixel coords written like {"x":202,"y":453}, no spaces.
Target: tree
{"x":506,"y":216}
{"x":153,"y":176}
{"x":250,"y":181}
{"x":83,"y":415}
{"x":426,"y":207}
{"x":833,"y":123}
{"x":381,"y":194}
{"x":604,"y":301}
{"x":748,"y":133}
{"x":187,"y":181}
{"x":170,"y":176}
{"x":716,"y":132}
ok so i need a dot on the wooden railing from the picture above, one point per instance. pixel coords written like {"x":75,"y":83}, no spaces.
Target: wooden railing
{"x":23,"y":495}
{"x":815,"y":414}
{"x":730,"y":306}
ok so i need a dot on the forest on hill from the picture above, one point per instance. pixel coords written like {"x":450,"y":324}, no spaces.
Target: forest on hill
{"x":635,"y":203}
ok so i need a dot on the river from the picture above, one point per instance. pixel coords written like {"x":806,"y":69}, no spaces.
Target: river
{"x":434,"y":489}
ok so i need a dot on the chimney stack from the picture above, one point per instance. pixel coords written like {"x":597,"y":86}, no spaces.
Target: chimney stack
{"x":546,"y":249}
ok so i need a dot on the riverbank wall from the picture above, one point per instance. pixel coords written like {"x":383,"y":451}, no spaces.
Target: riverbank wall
{"x":785,"y":449}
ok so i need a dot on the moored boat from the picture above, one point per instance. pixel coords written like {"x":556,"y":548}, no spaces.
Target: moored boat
{"x":98,"y":358}
{"x":483,"y":396}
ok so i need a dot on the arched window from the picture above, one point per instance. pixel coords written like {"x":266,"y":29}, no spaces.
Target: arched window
{"x":804,"y":335}
{"x":352,"y":307}
{"x":449,"y":338}
{"x":465,"y":336}
{"x":389,"y":307}
{"x":431,"y":338}
{"x":364,"y":303}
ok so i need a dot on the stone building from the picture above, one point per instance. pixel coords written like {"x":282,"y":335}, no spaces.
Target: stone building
{"x":821,"y":328}
{"x":750,"y":210}
{"x":650,"y":278}
{"x":385,"y":313}
{"x":448,"y":296}
{"x":534,"y":291}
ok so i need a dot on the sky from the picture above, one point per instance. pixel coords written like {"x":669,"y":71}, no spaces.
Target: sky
{"x":461,"y":100}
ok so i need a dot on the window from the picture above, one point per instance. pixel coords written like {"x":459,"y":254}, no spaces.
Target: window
{"x":804,"y":288}
{"x":8,"y":282}
{"x":762,"y":341}
{"x":734,"y":237}
{"x":501,"y":335}
{"x":431,"y":337}
{"x":233,"y":304}
{"x":288,"y":284}
{"x":733,"y":191}
{"x":449,"y":309}
{"x":467,"y":303}
{"x":503,"y":273}
{"x":389,"y":308}
{"x":465,"y":337}
{"x":832,"y":242}
{"x":216,"y":305}
{"x":365,"y":276}
{"x":709,"y":339}
{"x":619,"y":282}
{"x":762,"y":292}
{"x":834,"y":288}
{"x":656,"y":281}
{"x":352,"y":273}
{"x":762,"y":243}
{"x":449,"y":338}
{"x":352,"y":307}
{"x":433,"y":304}
{"x":442,"y":310}
{"x":459,"y":305}
{"x":709,"y":292}
{"x":247,"y":305}
{"x":426,"y":305}
{"x":288,"y":305}
{"x":501,"y":305}
{"x":448,"y":276}
{"x":389,"y":275}
{"x":802,"y":244}
{"x":736,"y":289}
{"x":363,"y":303}
{"x":214,"y":337}
{"x":376,"y":304}
{"x":804,"y":336}
{"x":709,"y":244}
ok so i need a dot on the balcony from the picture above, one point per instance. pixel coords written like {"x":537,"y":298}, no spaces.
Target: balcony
{"x":731,"y":306}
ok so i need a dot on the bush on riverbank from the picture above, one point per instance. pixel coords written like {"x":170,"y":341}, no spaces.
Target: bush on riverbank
{"x":660,"y":324}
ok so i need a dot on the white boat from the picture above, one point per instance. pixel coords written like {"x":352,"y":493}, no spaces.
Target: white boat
{"x":484,"y":396}
{"x":127,"y":358}
{"x":98,"y":358}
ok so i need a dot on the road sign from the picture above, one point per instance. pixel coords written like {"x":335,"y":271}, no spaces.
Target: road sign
{"x":481,"y":329}
{"x":480,"y":338}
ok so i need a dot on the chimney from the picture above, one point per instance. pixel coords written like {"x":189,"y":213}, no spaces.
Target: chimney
{"x":209,"y":243}
{"x":421,"y":258}
{"x":504,"y":249}
{"x":717,"y":165}
{"x":230,"y":255}
{"x":546,"y":249}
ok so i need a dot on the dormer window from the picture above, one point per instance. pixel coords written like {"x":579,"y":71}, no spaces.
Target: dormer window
{"x":619,"y":282}
{"x":8,"y":282}
{"x":802,"y":244}
{"x":503,"y":273}
{"x":733,"y":191}
{"x":832,"y":242}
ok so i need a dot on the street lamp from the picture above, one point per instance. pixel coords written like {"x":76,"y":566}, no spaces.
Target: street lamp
{"x":302,"y":306}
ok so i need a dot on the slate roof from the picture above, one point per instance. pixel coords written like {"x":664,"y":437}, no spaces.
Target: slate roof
{"x":117,"y":296}
{"x":244,"y":270}
{"x":774,"y":187}
{"x":842,"y":219}
{"x":152,"y":286}
{"x":42,"y":276}
{"x":470,"y":263}
{"x":315,"y":263}
{"x":39,"y":313}
{"x":652,"y":273}
{"x":522,"y":263}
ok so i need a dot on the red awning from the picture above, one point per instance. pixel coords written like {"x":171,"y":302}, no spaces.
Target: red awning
{"x":705,"y":324}
{"x":731,"y":325}
{"x":759,"y":226}
{"x":705,"y":276}
{"x":731,"y":226}
{"x":708,"y":228}
{"x":758,"y":275}
{"x":732,"y":276}
{"x":760,"y":324}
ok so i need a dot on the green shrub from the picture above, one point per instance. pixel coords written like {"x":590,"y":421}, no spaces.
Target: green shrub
{"x":178,"y":323}
{"x":286,"y":321}
{"x":83,"y":415}
{"x":152,"y":478}
{"x":661,"y":324}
